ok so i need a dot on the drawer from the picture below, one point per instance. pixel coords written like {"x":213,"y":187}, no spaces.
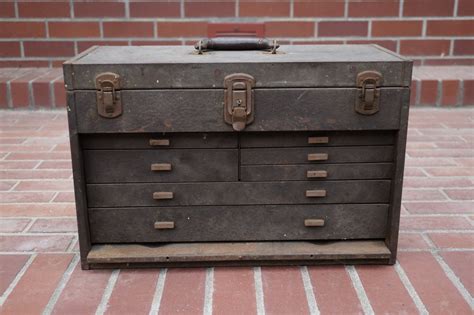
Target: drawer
{"x":238,"y":223}
{"x":173,"y":165}
{"x":238,"y":193}
{"x":354,"y":154}
{"x":255,"y":173}
{"x":303,"y":139}
{"x":159,"y":141}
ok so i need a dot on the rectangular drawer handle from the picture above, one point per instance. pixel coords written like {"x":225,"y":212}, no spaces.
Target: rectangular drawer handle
{"x":313,"y":222}
{"x":164,"y":225}
{"x":318,"y":140}
{"x":159,"y":142}
{"x":318,"y":157}
{"x":160,"y":167}
{"x":160,"y":195}
{"x":316,"y":193}
{"x":317,"y":174}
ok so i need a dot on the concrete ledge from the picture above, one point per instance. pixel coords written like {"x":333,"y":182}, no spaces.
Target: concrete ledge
{"x":34,"y":88}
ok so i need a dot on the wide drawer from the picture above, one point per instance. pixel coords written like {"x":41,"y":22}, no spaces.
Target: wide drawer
{"x":316,"y":155}
{"x":238,"y":193}
{"x":257,"y":173}
{"x":173,"y":165}
{"x":238,"y":223}
{"x":159,"y":140}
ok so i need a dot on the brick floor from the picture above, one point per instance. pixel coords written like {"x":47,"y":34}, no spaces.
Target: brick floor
{"x":39,"y":270}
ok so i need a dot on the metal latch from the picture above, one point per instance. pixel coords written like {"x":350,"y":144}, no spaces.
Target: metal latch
{"x":368,"y":96}
{"x":238,"y":100}
{"x":109,"y":102}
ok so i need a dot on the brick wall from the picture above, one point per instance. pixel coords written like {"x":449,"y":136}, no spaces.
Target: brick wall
{"x":42,"y":34}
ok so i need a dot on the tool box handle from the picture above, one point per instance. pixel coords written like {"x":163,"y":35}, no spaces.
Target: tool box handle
{"x":236,"y":43}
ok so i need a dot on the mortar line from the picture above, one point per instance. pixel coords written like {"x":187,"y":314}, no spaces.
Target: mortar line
{"x":17,"y":279}
{"x":208,"y":292}
{"x":359,"y":288}
{"x":411,"y":289}
{"x":259,"y":295}
{"x":29,"y":225}
{"x":107,"y":292}
{"x":160,"y":284}
{"x":309,"y":291}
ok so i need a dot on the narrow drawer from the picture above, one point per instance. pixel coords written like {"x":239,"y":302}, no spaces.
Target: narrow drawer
{"x":174,"y":165}
{"x":255,"y":173}
{"x":238,"y":223}
{"x":238,"y":193}
{"x":303,"y":139}
{"x":159,"y":140}
{"x":354,"y":154}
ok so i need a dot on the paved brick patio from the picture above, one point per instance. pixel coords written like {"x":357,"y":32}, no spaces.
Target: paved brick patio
{"x":39,"y":271}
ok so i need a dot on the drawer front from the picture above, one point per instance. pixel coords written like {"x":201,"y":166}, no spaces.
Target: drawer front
{"x":242,"y":223}
{"x":173,"y":165}
{"x":319,"y":139}
{"x":316,"y":155}
{"x":255,"y":173}
{"x":159,"y":141}
{"x":238,"y":193}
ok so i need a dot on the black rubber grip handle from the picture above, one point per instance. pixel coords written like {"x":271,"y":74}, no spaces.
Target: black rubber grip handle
{"x":236,"y":43}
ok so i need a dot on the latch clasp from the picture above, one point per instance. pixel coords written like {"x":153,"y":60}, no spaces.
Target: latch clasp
{"x":109,"y":102}
{"x":238,"y":100}
{"x":368,"y":96}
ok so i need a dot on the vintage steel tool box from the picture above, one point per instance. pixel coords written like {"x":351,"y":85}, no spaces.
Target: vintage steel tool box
{"x":238,"y":157}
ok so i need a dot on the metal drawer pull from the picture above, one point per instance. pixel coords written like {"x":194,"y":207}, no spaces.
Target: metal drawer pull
{"x":164,"y":225}
{"x":318,"y":140}
{"x":162,"y":195}
{"x":159,"y":142}
{"x":159,"y":167}
{"x":316,"y":193}
{"x":318,"y":157}
{"x":313,"y":222}
{"x":317,"y":174}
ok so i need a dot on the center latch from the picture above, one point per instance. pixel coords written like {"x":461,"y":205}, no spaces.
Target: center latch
{"x":109,"y":102}
{"x":368,"y":97}
{"x":238,"y":100}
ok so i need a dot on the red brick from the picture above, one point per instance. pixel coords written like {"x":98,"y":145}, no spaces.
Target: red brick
{"x":434,"y":223}
{"x":156,"y":43}
{"x":22,"y":29}
{"x":22,"y":63}
{"x":206,"y":8}
{"x":37,"y":284}
{"x":377,"y":281}
{"x":450,"y":28}
{"x":83,"y":292}
{"x":461,"y":263}
{"x":7,"y":9}
{"x":449,"y":62}
{"x":465,"y":8}
{"x":424,"y":47}
{"x":6,"y":185}
{"x":460,"y":194}
{"x":83,"y":45}
{"x":463,"y":47}
{"x":13,"y":225}
{"x":318,"y":42}
{"x":20,"y":88}
{"x":37,"y":243}
{"x":64,"y":197}
{"x":389,"y":44}
{"x":411,"y":241}
{"x":397,"y":28}
{"x":45,"y":185}
{"x":453,"y":240}
{"x":128,"y":29}
{"x":330,"y":284}
{"x":12,"y":197}
{"x":10,"y":266}
{"x":232,"y":29}
{"x":333,"y":29}
{"x":450,"y":89}
{"x":182,"y":29}
{"x":10,"y":49}
{"x":289,"y":29}
{"x":417,"y":194}
{"x":74,"y":29}
{"x":99,"y":9}
{"x":284,"y":291}
{"x":373,"y":8}
{"x":259,"y":9}
{"x":42,"y":89}
{"x":59,"y":93}
{"x":37,"y":210}
{"x":428,"y":7}
{"x":183,"y":291}
{"x":154,"y":9}
{"x":234,"y":291}
{"x":429,"y":92}
{"x":468,"y":98}
{"x":48,"y":49}
{"x":34,"y":174}
{"x":450,"y":171}
{"x":436,"y":291}
{"x":436,"y":182}
{"x":318,"y":8}
{"x":55,"y":165}
{"x":45,"y":9}
{"x":61,"y":225}
{"x":133,"y":285}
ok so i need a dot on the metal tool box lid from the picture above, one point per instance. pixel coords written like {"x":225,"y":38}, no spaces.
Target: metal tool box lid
{"x":180,"y":67}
